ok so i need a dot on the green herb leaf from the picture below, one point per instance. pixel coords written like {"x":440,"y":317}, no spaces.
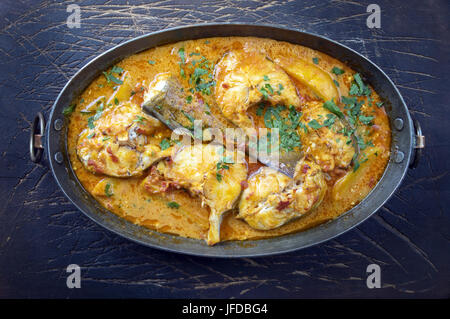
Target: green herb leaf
{"x":367,"y":120}
{"x":91,"y":123}
{"x":280,"y":88}
{"x":269,"y":88}
{"x":112,"y":78}
{"x":314,"y":124}
{"x":68,"y":110}
{"x":173,"y":205}
{"x":260,"y":110}
{"x":359,"y":88}
{"x":337,"y":70}
{"x":139,"y":119}
{"x":165,"y":144}
{"x":108,"y":190}
{"x":181,"y":55}
{"x":316,"y":60}
{"x":116,"y":69}
{"x":264,"y":93}
{"x":349,"y":100}
{"x":354,"y":90}
{"x":333,"y":108}
{"x":189,"y":117}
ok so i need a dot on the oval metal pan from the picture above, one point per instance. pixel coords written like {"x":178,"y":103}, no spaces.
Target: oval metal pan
{"x":392,"y":177}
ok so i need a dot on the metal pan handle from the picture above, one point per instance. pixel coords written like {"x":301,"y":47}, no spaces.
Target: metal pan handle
{"x":36,"y":136}
{"x":419,"y":144}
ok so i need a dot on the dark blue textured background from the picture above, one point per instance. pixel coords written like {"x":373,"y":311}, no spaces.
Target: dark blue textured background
{"x":41,"y":232}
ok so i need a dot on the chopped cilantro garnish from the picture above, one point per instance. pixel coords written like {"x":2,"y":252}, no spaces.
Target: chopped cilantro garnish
{"x":315,"y":60}
{"x":337,"y":70}
{"x":269,"y":88}
{"x":359,"y":88}
{"x":260,"y":110}
{"x":151,"y":62}
{"x":139,"y":119}
{"x":116,"y":69}
{"x":198,"y":72}
{"x":116,"y":101}
{"x":367,"y":120}
{"x":265,"y":90}
{"x":266,"y":78}
{"x":314,"y":124}
{"x":330,"y":120}
{"x":95,"y":117}
{"x":201,"y":78}
{"x":190,"y":117}
{"x":108,"y":190}
{"x":189,"y":99}
{"x":183,"y":61}
{"x":354,"y":90}
{"x":91,"y":123}
{"x":362,"y":144}
{"x":349,"y":100}
{"x":303,"y":126}
{"x":357,"y":162}
{"x":68,"y":110}
{"x":289,"y":138}
{"x":111,"y":78}
{"x":173,"y":205}
{"x":181,"y":55}
{"x":165,"y":144}
{"x":280,"y":88}
{"x":333,"y":108}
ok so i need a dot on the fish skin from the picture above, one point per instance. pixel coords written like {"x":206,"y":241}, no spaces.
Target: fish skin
{"x":166,"y":101}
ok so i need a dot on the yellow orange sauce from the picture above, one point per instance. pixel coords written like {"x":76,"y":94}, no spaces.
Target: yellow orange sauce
{"x":132,"y":202}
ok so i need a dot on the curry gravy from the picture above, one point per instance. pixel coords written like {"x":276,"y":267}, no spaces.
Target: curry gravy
{"x":132,"y":202}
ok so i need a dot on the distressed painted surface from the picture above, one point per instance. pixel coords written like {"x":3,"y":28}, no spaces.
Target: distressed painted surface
{"x":41,"y":232}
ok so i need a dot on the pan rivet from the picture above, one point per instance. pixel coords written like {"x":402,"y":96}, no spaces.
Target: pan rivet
{"x":58,"y":124}
{"x":399,"y":157}
{"x":59,"y":158}
{"x":398,"y":124}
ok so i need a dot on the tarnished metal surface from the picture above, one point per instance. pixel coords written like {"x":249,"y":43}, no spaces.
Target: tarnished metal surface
{"x":41,"y":232}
